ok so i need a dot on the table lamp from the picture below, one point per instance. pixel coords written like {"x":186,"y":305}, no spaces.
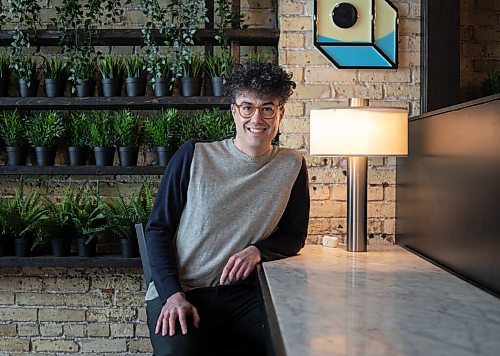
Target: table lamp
{"x":358,"y":131}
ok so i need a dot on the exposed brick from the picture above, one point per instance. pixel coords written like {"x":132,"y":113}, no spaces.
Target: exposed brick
{"x":18,"y":314}
{"x":381,"y":209}
{"x":320,"y":226}
{"x":390,"y":193}
{"x":28,"y":329}
{"x":380,"y":176}
{"x":327,"y":74}
{"x":130,"y":299}
{"x":111,"y":315}
{"x":327,"y":209}
{"x":319,"y":192}
{"x":326,"y":175}
{"x":375,"y":193}
{"x":295,"y":23}
{"x":6,"y":298}
{"x":97,"y":345}
{"x":8,"y":330}
{"x":73,"y":330}
{"x":66,"y":284}
{"x":304,"y":57}
{"x":98,"y":330}
{"x":389,"y":76}
{"x":140,"y":346}
{"x":132,"y":283}
{"x":61,"y":314}
{"x":55,"y":345}
{"x":51,"y":329}
{"x":313,"y":91}
{"x":14,"y":344}
{"x":292,"y":40}
{"x":122,"y":330}
{"x":409,"y":25}
{"x":291,"y":8}
{"x":290,"y":125}
{"x":20,"y":283}
{"x":141,"y":330}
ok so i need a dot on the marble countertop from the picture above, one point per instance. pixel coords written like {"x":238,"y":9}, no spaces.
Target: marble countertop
{"x":387,"y":301}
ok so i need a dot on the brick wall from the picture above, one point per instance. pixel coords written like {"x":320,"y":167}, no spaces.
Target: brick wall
{"x":320,"y":84}
{"x":479,"y":45}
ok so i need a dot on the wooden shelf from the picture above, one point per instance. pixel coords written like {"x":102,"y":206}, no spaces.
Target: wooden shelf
{"x":71,"y":261}
{"x":109,"y":37}
{"x":135,"y":103}
{"x":81,"y":170}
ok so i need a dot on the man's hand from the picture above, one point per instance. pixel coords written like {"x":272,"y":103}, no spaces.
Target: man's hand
{"x":176,"y":308}
{"x":240,"y":265}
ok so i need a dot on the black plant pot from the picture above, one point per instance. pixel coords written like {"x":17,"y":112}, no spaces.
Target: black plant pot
{"x":135,"y":86}
{"x":4,"y":86}
{"x":191,"y":86}
{"x":111,"y":86}
{"x":162,"y":86}
{"x":26,"y":90}
{"x":86,"y":250}
{"x":164,"y":154}
{"x":22,"y":247}
{"x":85,"y":87}
{"x":61,"y":247}
{"x":217,"y":86}
{"x":16,"y":156}
{"x":128,"y":156}
{"x":45,"y":156}
{"x":55,"y":87}
{"x":77,"y":156}
{"x":6,"y":246}
{"x":104,"y":156}
{"x":129,"y":248}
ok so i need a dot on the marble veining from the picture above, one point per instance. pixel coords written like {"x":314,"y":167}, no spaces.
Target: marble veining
{"x":386,"y":301}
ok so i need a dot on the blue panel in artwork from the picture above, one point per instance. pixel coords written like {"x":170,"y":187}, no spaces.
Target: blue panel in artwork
{"x":388,"y":45}
{"x":359,"y":56}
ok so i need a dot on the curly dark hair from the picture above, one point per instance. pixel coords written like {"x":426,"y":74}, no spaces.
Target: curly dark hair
{"x":262,"y":79}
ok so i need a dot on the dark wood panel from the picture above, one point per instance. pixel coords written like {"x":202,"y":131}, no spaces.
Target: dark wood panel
{"x":71,"y":261}
{"x":137,"y":103}
{"x":254,"y":37}
{"x":81,"y":170}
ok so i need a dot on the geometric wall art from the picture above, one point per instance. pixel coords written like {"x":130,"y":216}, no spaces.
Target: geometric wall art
{"x":357,"y":33}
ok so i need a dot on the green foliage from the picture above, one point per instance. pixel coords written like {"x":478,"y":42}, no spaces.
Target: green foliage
{"x":193,"y":65}
{"x":25,"y":15}
{"x":259,"y":57}
{"x":101,"y":129}
{"x":5,"y":70}
{"x":25,"y":67}
{"x":219,"y":65}
{"x":89,"y":215}
{"x":160,"y":66}
{"x":112,"y":67}
{"x":162,"y":129}
{"x":214,"y":124}
{"x":135,"y":67}
{"x":83,"y":67}
{"x":123,"y":214}
{"x":12,"y":128}
{"x":126,"y":129}
{"x":78,"y":129}
{"x":58,"y":221}
{"x":44,"y":129}
{"x":57,"y":68}
{"x":23,"y":215}
{"x":491,"y":85}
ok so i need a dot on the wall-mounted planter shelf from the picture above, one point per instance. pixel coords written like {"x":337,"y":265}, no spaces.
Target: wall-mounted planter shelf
{"x":71,"y":261}
{"x":254,"y":37}
{"x":134,"y":103}
{"x":82,"y":170}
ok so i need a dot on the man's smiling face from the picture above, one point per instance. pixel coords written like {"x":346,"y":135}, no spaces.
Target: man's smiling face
{"x":257,"y":121}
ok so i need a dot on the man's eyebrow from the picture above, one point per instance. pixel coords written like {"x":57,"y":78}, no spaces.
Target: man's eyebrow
{"x":251,"y":103}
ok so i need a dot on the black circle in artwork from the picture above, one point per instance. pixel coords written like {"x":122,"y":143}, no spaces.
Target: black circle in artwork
{"x":344,"y":15}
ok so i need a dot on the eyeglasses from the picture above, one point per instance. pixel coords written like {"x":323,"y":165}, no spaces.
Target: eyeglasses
{"x":267,"y":111}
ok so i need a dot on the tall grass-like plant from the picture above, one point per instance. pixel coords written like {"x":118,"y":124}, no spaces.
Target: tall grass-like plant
{"x":162,"y":128}
{"x":214,"y":125}
{"x":5,"y":70}
{"x":101,"y":129}
{"x":160,"y":66}
{"x":82,"y":68}
{"x":45,"y":129}
{"x":135,"y":67}
{"x":78,"y":129}
{"x":12,"y":128}
{"x":112,"y":67}
{"x":126,"y":129}
{"x":57,"y":68}
{"x":193,"y":65}
{"x":219,"y":65}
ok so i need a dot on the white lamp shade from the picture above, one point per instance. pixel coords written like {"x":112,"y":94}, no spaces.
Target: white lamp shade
{"x":359,"y":131}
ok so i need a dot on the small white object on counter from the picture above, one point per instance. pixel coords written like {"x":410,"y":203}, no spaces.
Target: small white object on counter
{"x":330,"y":241}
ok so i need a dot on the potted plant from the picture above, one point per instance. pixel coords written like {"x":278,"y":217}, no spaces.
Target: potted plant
{"x":6,"y":240}
{"x":192,"y":71}
{"x":218,"y":67}
{"x":216,"y":124}
{"x":89,"y":221}
{"x":12,"y":132}
{"x":5,"y":73}
{"x":135,"y":81}
{"x":56,"y":74}
{"x":82,"y":73}
{"x":491,"y":84}
{"x":44,"y":130}
{"x":77,"y":134}
{"x":127,"y":136}
{"x":124,"y":214}
{"x":112,"y":69}
{"x":161,"y":75}
{"x":25,"y":216}
{"x":162,"y":132}
{"x":25,"y":68}
{"x":101,"y":137}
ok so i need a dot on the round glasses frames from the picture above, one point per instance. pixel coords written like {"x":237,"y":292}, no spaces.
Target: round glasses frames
{"x":267,"y":111}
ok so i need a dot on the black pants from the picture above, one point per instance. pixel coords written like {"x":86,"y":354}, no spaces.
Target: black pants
{"x":231,"y":323}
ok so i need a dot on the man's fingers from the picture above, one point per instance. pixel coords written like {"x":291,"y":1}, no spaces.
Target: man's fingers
{"x":182,"y":321}
{"x":196,"y":318}
{"x":171,"y":324}
{"x":226,"y":270}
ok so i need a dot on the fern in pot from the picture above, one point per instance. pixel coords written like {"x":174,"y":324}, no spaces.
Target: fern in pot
{"x":77,"y":135}
{"x":162,"y":133}
{"x":12,"y":132}
{"x":192,"y":72}
{"x":56,"y":73}
{"x":5,"y":73}
{"x":44,"y":130}
{"x":162,"y":80}
{"x":112,"y":69}
{"x":127,"y":136}
{"x":135,"y":81}
{"x":102,"y":138}
{"x":26,"y":69}
{"x":218,"y":67}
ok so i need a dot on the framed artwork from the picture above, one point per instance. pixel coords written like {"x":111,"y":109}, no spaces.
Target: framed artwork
{"x":357,"y":33}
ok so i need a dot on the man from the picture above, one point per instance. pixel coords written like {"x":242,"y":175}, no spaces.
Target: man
{"x":223,"y":207}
